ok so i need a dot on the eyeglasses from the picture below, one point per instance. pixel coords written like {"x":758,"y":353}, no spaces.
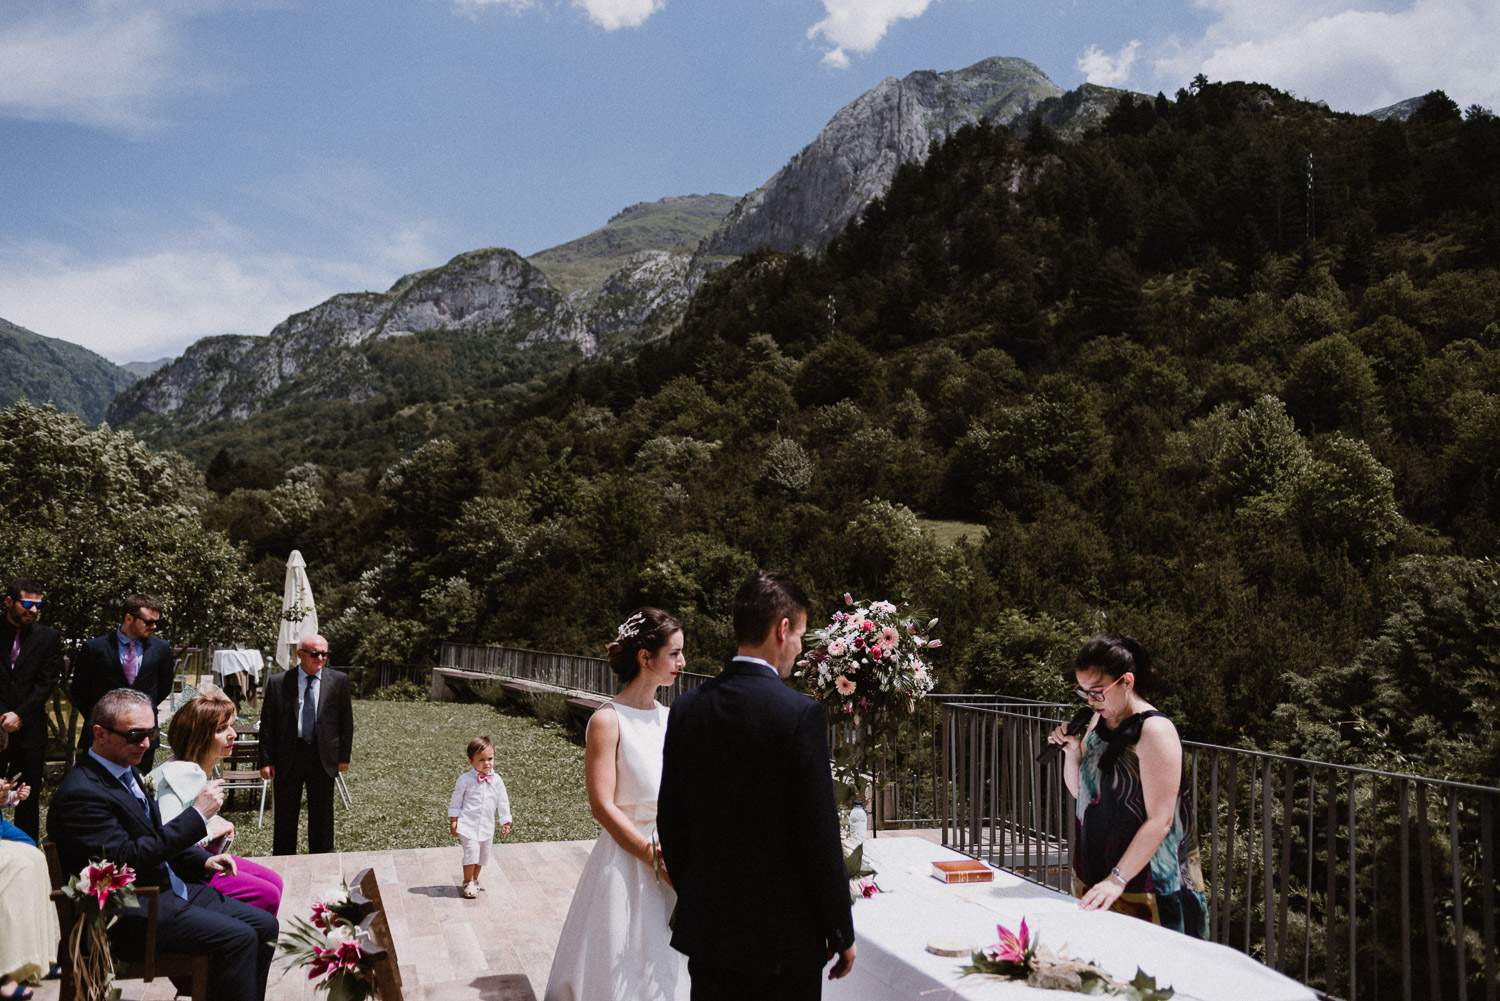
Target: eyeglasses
{"x":318,"y":654}
{"x":1096,"y":694}
{"x":148,"y":623}
{"x":31,"y":606}
{"x":134,"y":736}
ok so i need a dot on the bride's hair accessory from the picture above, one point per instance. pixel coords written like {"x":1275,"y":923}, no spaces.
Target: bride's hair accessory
{"x":630,"y":628}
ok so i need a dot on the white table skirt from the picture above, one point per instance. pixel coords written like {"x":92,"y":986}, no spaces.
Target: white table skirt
{"x":892,"y":930}
{"x":227,"y":662}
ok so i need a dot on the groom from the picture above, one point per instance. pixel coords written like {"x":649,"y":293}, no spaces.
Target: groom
{"x":746,"y":817}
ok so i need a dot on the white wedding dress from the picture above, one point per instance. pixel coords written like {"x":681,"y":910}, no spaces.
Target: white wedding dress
{"x":615,"y":943}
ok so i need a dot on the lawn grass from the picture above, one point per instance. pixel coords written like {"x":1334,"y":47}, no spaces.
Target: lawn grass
{"x":406,"y":757}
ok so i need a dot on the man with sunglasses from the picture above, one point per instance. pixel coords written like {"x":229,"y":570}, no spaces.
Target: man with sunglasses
{"x":132,"y":656}
{"x":306,"y":736}
{"x":103,"y":810}
{"x":32,"y":655}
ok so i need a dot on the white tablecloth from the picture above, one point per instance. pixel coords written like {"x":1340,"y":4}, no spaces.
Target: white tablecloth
{"x":892,"y":930}
{"x":228,"y":662}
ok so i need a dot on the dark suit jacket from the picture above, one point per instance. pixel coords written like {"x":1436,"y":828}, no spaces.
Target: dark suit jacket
{"x":96,"y":670}
{"x":748,"y":826}
{"x":333,"y":732}
{"x":93,"y":816}
{"x":25,"y":690}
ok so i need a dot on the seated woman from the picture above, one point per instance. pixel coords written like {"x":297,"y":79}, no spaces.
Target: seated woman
{"x":201,"y":733}
{"x":1135,"y":844}
{"x":28,"y":921}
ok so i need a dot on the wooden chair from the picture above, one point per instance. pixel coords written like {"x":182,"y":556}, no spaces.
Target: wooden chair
{"x":241,"y":771}
{"x":181,"y":967}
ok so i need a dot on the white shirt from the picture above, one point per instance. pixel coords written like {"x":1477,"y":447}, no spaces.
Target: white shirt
{"x":479,"y":806}
{"x":746,"y":659}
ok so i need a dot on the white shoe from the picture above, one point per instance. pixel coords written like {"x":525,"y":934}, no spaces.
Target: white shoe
{"x":470,"y":890}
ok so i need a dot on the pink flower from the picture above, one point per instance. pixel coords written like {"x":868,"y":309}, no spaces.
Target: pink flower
{"x":1012,"y":948}
{"x":103,"y":878}
{"x":836,"y":648}
{"x":868,"y":625}
{"x":867,"y":888}
{"x":343,"y":956}
{"x":934,"y":644}
{"x":848,"y":598}
{"x":889,"y":637}
{"x":844,"y":685}
{"x":876,"y":651}
{"x":859,"y":642}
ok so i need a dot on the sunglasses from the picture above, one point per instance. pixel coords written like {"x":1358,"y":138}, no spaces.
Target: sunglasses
{"x":148,"y":623}
{"x":31,"y":606}
{"x":317,"y":654}
{"x":134,"y":736}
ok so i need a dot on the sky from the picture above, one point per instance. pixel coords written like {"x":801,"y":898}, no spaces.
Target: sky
{"x":173,"y":169}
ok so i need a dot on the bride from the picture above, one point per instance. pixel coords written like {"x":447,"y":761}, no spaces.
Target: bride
{"x":615,"y":942}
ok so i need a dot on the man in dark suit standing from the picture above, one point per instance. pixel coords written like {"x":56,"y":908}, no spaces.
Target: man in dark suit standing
{"x":132,"y":656}
{"x":102,"y":810}
{"x":306,"y":736}
{"x":746,"y":816}
{"x":33,"y":658}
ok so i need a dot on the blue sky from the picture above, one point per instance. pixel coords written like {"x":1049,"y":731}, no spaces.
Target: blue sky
{"x":171,"y":169}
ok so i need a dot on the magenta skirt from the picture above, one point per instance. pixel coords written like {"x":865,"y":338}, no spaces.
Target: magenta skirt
{"x":253,"y":883}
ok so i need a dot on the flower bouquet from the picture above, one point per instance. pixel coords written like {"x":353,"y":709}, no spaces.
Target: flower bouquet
{"x":100,"y":886}
{"x":868,"y":669}
{"x":332,"y":947}
{"x":1021,"y":957}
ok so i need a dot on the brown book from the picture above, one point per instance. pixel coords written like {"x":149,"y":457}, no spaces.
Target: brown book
{"x":965,"y":871}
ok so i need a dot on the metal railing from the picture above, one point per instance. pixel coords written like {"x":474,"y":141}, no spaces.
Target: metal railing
{"x":1360,"y":883}
{"x":558,"y":670}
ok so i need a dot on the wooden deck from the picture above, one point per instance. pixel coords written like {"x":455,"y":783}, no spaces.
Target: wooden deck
{"x":441,"y":938}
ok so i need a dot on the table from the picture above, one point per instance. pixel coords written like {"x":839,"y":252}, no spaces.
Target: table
{"x":892,"y":930}
{"x":232,"y":668}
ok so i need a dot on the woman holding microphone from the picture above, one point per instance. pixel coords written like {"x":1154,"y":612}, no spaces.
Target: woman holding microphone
{"x":1135,"y":843}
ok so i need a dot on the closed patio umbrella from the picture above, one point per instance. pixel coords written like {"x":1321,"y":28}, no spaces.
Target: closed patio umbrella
{"x":299,"y":616}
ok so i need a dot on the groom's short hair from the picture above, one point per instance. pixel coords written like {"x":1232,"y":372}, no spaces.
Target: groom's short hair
{"x":764,"y":600}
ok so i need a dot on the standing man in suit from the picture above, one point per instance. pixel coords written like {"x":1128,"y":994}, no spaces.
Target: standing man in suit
{"x":132,"y":656}
{"x":747,"y":819}
{"x":33,"y":659}
{"x":306,"y":736}
{"x":102,"y":810}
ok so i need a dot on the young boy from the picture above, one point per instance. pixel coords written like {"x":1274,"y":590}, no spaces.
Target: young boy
{"x":479,"y":801}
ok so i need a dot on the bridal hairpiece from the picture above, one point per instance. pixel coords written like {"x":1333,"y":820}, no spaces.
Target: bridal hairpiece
{"x":630,"y":627}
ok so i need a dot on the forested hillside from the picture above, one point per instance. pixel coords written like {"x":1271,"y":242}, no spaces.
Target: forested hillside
{"x":1183,"y":397}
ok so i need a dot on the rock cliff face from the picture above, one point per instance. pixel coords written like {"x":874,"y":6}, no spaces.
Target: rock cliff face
{"x":853,"y":160}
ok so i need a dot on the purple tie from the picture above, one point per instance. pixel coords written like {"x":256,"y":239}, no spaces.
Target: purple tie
{"x":132,"y":663}
{"x":15,"y":650}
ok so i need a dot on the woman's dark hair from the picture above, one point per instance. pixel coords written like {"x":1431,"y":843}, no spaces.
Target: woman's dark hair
{"x":1116,"y":655}
{"x":645,"y":629}
{"x":193,"y":727}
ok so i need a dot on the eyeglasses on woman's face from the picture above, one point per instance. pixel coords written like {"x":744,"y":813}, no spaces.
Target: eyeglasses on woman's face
{"x":1096,"y":694}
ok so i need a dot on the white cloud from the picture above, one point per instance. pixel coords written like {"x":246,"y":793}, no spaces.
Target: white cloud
{"x":1108,"y":70}
{"x":859,"y":25}
{"x":612,"y":14}
{"x":1353,"y":55}
{"x":95,"y":63}
{"x":195,"y":283}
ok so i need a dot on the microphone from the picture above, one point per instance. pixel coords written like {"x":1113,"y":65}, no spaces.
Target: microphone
{"x":1076,"y":727}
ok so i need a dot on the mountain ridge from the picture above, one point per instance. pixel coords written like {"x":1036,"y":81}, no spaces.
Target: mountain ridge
{"x":50,"y":370}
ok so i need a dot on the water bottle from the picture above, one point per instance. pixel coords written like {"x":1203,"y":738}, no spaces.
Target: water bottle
{"x":858,"y":822}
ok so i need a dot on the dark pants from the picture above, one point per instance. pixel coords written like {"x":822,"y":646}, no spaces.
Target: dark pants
{"x":304,"y":769}
{"x":18,"y":757}
{"x":240,"y":940}
{"x":712,"y":982}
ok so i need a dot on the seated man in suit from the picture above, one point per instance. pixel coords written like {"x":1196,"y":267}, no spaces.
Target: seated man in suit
{"x":102,"y":811}
{"x":132,"y":656}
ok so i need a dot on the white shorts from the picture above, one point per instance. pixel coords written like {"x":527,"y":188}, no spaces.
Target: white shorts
{"x":476,"y":852}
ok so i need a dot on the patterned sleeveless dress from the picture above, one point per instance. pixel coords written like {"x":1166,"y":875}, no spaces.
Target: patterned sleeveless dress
{"x":1111,"y":808}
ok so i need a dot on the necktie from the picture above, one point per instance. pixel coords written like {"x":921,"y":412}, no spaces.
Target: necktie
{"x":132,"y":663}
{"x":128,"y":780}
{"x":15,"y":650}
{"x":309,"y":709}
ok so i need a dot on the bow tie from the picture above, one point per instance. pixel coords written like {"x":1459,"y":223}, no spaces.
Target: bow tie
{"x":486,"y":779}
